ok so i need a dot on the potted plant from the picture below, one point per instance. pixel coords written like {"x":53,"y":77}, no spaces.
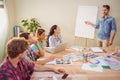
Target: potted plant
{"x":31,"y":25}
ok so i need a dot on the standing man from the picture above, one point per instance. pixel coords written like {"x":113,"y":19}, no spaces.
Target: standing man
{"x":107,"y":28}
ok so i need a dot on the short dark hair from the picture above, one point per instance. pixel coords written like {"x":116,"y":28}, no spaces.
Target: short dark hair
{"x":16,"y":46}
{"x":25,"y":35}
{"x":106,"y":6}
{"x":40,"y":31}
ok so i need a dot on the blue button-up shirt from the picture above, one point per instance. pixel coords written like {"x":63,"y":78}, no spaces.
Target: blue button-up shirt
{"x":106,"y":26}
{"x":53,"y":42}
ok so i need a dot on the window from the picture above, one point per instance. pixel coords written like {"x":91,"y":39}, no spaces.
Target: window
{"x":3,"y":28}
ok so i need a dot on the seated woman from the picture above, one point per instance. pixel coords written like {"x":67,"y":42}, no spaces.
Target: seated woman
{"x":33,"y":55}
{"x":54,"y":38}
{"x":40,"y":33}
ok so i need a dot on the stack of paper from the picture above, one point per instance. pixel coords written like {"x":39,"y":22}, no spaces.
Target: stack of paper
{"x":96,"y":49}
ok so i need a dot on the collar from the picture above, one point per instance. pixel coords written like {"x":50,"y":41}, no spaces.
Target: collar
{"x":54,"y":36}
{"x":8,"y":64}
{"x":106,"y":18}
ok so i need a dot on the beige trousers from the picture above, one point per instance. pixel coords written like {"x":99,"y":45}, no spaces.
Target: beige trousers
{"x":102,"y":43}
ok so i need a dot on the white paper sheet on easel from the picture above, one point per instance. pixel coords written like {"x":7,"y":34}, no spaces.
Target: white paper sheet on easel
{"x":85,"y":13}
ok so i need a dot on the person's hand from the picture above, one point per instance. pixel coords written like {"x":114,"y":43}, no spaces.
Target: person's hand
{"x":35,"y":41}
{"x":59,"y":71}
{"x":89,"y":23}
{"x":110,"y":43}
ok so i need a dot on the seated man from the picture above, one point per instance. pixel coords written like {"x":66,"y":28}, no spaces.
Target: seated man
{"x":15,"y":67}
{"x":31,"y":40}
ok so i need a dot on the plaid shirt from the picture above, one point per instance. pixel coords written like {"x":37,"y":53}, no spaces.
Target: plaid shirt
{"x":21,"y":72}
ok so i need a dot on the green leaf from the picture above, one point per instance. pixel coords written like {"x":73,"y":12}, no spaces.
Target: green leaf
{"x":32,"y":25}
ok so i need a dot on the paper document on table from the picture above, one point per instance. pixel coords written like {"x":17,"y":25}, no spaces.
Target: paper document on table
{"x":52,"y":62}
{"x":117,"y":54}
{"x":49,"y":78}
{"x":113,"y":63}
{"x":78,"y":48}
{"x":92,"y":67}
{"x":60,"y":61}
{"x":102,"y":61}
{"x":73,"y":56}
{"x":97,"y":49}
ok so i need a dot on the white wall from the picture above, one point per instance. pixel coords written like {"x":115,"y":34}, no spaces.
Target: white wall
{"x":11,"y":15}
{"x":63,"y":13}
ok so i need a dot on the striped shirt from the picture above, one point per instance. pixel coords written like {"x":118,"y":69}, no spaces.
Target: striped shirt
{"x":31,"y":55}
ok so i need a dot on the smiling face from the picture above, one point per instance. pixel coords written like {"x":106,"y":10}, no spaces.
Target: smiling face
{"x":30,"y":38}
{"x":57,"y":30}
{"x":40,"y":34}
{"x":105,"y":11}
{"x":41,"y":37}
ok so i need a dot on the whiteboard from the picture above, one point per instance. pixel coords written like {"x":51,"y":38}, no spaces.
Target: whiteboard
{"x":85,"y":13}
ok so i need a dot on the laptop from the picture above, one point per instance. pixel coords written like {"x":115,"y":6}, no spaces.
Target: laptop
{"x":56,"y":49}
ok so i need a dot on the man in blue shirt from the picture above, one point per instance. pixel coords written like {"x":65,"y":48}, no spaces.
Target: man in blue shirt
{"x":107,"y":28}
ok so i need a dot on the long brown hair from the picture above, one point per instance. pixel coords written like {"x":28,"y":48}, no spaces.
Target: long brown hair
{"x":51,"y":33}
